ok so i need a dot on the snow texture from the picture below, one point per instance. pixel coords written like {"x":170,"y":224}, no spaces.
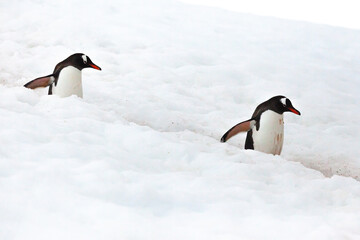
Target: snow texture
{"x":139,"y":156}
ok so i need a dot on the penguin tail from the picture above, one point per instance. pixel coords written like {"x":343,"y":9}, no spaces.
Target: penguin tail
{"x":40,"y":82}
{"x":240,"y":127}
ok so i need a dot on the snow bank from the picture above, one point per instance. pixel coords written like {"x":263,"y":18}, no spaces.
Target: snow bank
{"x":139,"y":157}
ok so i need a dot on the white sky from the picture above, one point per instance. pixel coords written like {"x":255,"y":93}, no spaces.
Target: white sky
{"x":345,"y":13}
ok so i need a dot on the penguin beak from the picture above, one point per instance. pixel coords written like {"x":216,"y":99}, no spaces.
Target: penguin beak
{"x":293,"y":110}
{"x":94,"y":66}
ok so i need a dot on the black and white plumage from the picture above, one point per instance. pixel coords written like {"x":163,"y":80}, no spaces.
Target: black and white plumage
{"x":66,"y":78}
{"x":265,"y":129}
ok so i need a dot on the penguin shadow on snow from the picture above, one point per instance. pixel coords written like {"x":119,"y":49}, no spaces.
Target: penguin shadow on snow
{"x":66,"y":79}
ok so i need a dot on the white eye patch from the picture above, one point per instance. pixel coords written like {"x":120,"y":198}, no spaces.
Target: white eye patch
{"x":283,"y":101}
{"x":84,"y":57}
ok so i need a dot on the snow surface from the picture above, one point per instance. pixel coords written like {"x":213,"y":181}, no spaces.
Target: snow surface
{"x":140,"y":158}
{"x":343,"y":13}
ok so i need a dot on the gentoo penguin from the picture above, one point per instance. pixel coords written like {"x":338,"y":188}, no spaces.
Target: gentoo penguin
{"x":66,"y":77}
{"x":265,"y":129}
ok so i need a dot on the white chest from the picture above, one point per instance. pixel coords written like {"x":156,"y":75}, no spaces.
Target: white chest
{"x":69,"y":83}
{"x":270,"y":137}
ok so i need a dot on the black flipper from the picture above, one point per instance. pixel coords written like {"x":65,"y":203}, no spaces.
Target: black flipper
{"x":241,"y":127}
{"x":40,"y":82}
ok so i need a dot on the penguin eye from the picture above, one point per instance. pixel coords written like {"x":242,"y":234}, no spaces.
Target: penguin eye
{"x":284,"y":101}
{"x":84,"y":57}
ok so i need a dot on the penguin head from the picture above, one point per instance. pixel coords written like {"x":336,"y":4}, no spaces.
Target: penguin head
{"x":81,"y":61}
{"x":85,"y":62}
{"x":283,"y":104}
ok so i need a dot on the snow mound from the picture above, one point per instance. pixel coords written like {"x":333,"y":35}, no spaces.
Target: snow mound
{"x":139,"y":157}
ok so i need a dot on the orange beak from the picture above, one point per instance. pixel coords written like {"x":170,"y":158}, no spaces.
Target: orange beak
{"x":94,"y":66}
{"x":293,"y":110}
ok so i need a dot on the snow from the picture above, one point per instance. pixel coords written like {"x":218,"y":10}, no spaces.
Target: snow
{"x":341,"y":13}
{"x":139,"y":157}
